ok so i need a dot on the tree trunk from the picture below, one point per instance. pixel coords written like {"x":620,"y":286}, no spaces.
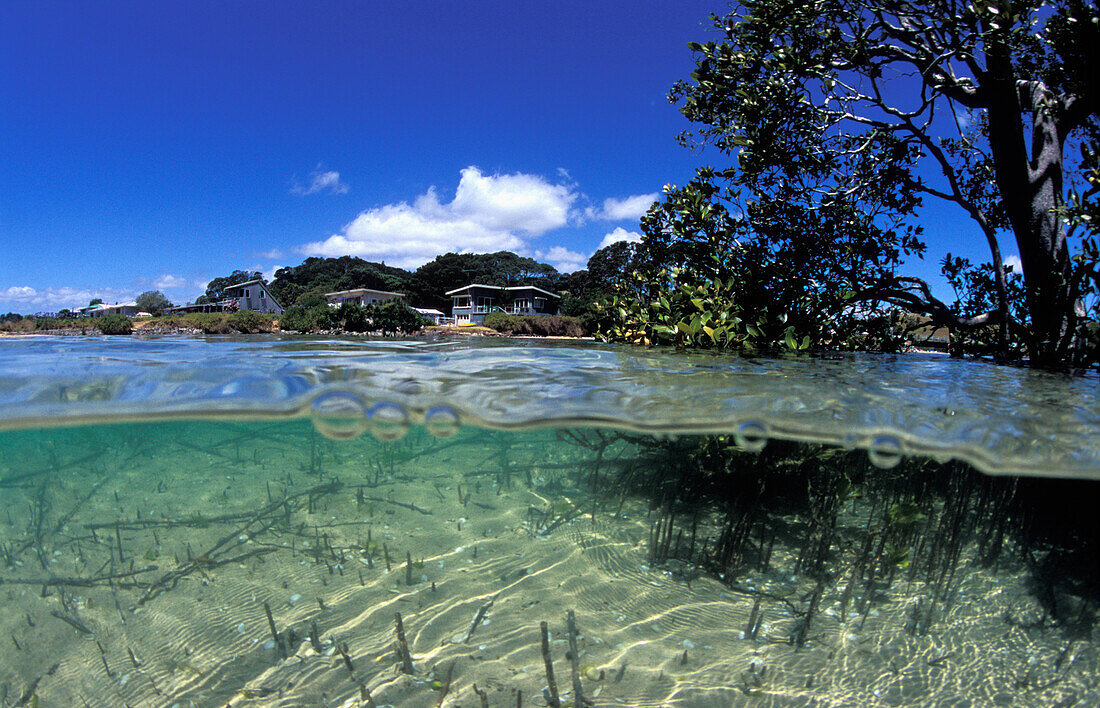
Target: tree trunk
{"x":1031,"y":187}
{"x":1043,"y":248}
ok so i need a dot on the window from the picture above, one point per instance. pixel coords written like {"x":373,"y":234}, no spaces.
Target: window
{"x":462,"y":301}
{"x":246,"y":292}
{"x":263,"y":294}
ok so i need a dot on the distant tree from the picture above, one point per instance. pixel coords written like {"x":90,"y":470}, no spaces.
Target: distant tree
{"x":607,"y":268}
{"x":215,"y":289}
{"x":152,"y":301}
{"x":95,"y":301}
{"x":454,"y":270}
{"x":321,"y":275}
{"x":395,"y":317}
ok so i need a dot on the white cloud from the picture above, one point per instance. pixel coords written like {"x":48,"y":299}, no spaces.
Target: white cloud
{"x":60,"y":298}
{"x":563,"y":259}
{"x":628,"y":208}
{"x":321,"y":181}
{"x":169,"y":282}
{"x":488,"y":213}
{"x":269,"y":274}
{"x":1014,"y":261}
{"x":620,"y":234}
{"x":272,"y":255}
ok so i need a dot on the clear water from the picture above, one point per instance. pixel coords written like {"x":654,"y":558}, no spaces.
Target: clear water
{"x":856,"y":531}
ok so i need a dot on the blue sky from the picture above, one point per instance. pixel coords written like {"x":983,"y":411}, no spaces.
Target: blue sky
{"x":156,"y":145}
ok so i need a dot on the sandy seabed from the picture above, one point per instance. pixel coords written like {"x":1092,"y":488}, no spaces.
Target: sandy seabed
{"x":212,"y":521}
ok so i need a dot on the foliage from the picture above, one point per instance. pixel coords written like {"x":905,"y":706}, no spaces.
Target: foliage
{"x":153,"y":301}
{"x":17,"y":324}
{"x":353,"y":317}
{"x":454,"y":270}
{"x":829,"y":111}
{"x":306,"y":319}
{"x":215,"y":289}
{"x":114,"y":324}
{"x":535,"y":325}
{"x":582,"y":289}
{"x":395,"y":317}
{"x":95,"y":301}
{"x":317,"y":276}
{"x":209,"y":322}
{"x":249,"y":322}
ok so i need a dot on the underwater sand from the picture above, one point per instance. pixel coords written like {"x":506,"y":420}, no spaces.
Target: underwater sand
{"x":500,"y":529}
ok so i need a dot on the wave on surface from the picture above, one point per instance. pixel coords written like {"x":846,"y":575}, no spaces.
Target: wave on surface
{"x":1000,"y":419}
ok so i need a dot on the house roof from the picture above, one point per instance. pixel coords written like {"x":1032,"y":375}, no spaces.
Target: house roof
{"x":502,"y":287}
{"x":254,"y":281}
{"x":247,"y":282}
{"x":427,"y":311}
{"x":357,"y":291}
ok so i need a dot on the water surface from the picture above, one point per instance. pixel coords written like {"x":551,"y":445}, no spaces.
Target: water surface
{"x":722,"y":531}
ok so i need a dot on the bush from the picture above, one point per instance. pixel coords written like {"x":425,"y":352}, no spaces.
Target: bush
{"x":114,"y":324}
{"x":301,"y":319}
{"x":354,"y":318}
{"x":395,"y":317}
{"x":20,"y":326}
{"x":210,"y":322}
{"x":250,"y":322}
{"x":535,"y":325}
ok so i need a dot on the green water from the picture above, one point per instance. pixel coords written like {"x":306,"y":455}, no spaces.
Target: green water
{"x":138,"y":558}
{"x":240,"y":521}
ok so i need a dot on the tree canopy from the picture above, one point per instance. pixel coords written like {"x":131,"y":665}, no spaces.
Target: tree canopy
{"x":215,"y":289}
{"x":842,"y":117}
{"x":152,"y":301}
{"x":454,"y":270}
{"x":320,"y":275}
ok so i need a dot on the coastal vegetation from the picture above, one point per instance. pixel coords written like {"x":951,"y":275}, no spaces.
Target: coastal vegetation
{"x":389,"y":318}
{"x":114,"y":324}
{"x":533,"y":325}
{"x":841,"y":120}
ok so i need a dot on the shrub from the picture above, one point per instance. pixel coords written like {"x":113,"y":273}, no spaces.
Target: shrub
{"x":210,"y":322}
{"x":535,"y":325}
{"x":114,"y":324}
{"x":20,"y":326}
{"x":301,"y":319}
{"x":354,"y":318}
{"x":250,"y":322}
{"x":500,"y":322}
{"x":395,"y":317}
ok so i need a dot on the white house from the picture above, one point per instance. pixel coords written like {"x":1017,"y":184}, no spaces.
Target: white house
{"x":129,"y":309}
{"x":362,"y":296}
{"x":251,"y":295}
{"x":471,"y":303}
{"x":431,"y":314}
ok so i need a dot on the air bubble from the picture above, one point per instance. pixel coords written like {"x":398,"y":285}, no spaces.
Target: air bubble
{"x":441,"y":421}
{"x":885,"y":451}
{"x":339,"y":415}
{"x":388,"y":421}
{"x":751,"y":436}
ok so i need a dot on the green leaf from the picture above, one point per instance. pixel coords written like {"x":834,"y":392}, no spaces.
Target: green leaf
{"x":791,"y":343}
